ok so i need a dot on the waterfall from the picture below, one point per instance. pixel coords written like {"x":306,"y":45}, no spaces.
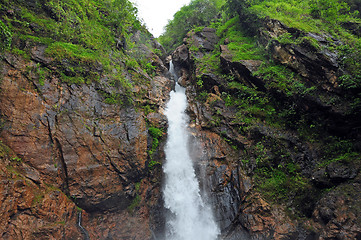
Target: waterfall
{"x":190,"y":217}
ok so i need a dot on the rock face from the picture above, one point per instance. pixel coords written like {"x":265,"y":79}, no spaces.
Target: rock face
{"x":221,"y":149}
{"x":76,"y":151}
{"x":305,"y":58}
{"x":29,"y":207}
{"x":80,"y":161}
{"x":243,"y":70}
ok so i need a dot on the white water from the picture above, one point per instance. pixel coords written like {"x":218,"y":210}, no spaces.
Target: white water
{"x":191,"y":218}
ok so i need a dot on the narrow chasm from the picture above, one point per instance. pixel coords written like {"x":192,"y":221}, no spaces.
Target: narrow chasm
{"x":240,"y":121}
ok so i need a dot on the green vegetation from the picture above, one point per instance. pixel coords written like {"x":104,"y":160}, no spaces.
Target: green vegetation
{"x":309,"y":16}
{"x":16,"y":159}
{"x":153,"y":163}
{"x":100,"y":42}
{"x":135,"y":203}
{"x":197,"y":14}
{"x":5,"y":37}
{"x":281,"y":105}
{"x":156,"y":134}
{"x":137,"y":199}
{"x":85,"y":41}
{"x":241,"y":45}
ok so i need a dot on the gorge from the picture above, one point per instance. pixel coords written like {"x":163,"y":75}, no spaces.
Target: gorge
{"x":262,"y":128}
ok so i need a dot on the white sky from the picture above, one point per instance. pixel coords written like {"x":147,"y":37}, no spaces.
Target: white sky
{"x":156,"y":13}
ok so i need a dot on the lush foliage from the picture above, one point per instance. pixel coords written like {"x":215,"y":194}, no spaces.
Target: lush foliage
{"x":86,"y":39}
{"x":5,"y":36}
{"x":277,"y":109}
{"x":156,"y":134}
{"x":198,"y":13}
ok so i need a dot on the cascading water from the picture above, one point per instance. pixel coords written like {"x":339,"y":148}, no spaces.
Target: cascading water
{"x":190,"y":218}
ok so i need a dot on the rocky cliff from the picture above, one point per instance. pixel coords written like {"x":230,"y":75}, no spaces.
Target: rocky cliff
{"x":267,"y":180}
{"x":80,"y":137}
{"x":274,"y":119}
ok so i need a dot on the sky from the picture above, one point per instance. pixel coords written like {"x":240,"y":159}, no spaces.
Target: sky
{"x":156,"y":13}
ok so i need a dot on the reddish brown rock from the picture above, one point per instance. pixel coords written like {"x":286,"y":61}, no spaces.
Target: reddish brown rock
{"x":69,"y":138}
{"x":29,"y":210}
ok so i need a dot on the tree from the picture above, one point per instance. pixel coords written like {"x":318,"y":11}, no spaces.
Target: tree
{"x":198,"y":13}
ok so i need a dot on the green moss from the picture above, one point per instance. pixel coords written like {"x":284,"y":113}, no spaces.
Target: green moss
{"x":4,"y":150}
{"x":137,"y":186}
{"x":135,"y":203}
{"x":285,"y":38}
{"x":209,"y":63}
{"x":38,"y":198}
{"x":5,"y":36}
{"x":77,"y":65}
{"x":150,"y":69}
{"x":16,"y":159}
{"x":344,"y":158}
{"x":156,"y":134}
{"x":282,"y":183}
{"x":65,"y":50}
{"x":153,"y":163}
{"x":20,"y":52}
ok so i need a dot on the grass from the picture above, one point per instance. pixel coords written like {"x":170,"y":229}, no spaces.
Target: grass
{"x":242,"y":46}
{"x":80,"y":36}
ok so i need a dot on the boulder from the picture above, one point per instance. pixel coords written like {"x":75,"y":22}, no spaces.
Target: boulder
{"x":180,"y":56}
{"x":339,"y":172}
{"x":205,"y":40}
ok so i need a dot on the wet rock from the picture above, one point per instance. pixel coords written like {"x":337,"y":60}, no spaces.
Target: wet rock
{"x":90,"y":151}
{"x":204,"y":40}
{"x":255,"y":217}
{"x":167,"y":61}
{"x":243,"y":70}
{"x":38,"y":54}
{"x":163,"y":54}
{"x":272,"y":28}
{"x":180,"y":56}
{"x":156,"y":119}
{"x":183,"y":80}
{"x":321,"y":178}
{"x":353,"y":27}
{"x":326,"y":214}
{"x":31,"y":209}
{"x":158,"y":63}
{"x":304,"y":58}
{"x":159,"y":92}
{"x":210,"y":80}
{"x":341,"y":172}
{"x":338,"y":212}
{"x":211,"y":155}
